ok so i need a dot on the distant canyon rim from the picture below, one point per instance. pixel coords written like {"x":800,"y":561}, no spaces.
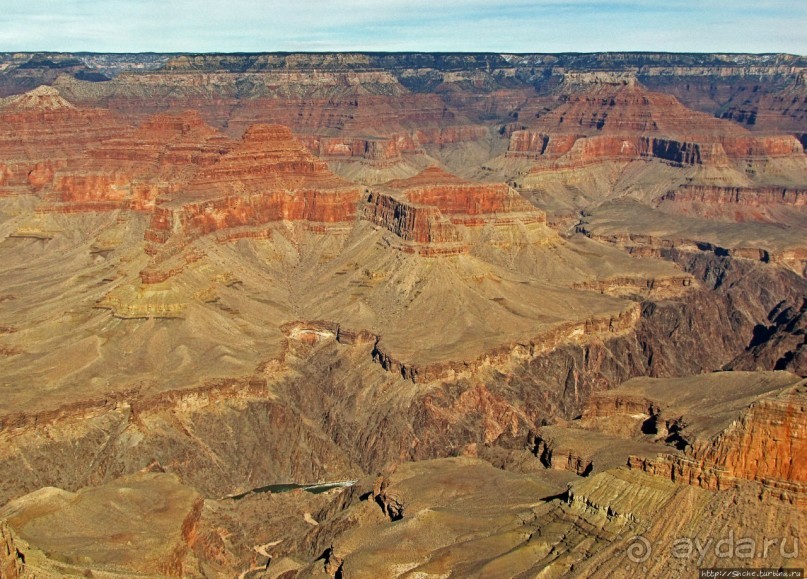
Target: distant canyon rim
{"x":505,"y":315}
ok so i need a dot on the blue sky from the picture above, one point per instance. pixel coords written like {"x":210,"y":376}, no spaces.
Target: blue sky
{"x":427,"y":25}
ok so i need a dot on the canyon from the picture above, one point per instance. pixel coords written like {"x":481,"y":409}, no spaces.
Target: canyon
{"x":531,"y":312}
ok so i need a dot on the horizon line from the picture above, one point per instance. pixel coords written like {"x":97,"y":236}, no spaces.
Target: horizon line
{"x":371,"y":52}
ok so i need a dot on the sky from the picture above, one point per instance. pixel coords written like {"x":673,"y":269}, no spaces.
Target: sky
{"x":404,"y":25}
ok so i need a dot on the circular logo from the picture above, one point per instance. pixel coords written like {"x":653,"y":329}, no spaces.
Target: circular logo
{"x":639,"y":549}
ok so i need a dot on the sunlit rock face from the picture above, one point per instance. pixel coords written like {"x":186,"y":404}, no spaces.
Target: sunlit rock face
{"x":515,"y":309}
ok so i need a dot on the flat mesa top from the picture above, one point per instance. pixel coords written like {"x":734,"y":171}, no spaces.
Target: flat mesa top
{"x":710,"y":402}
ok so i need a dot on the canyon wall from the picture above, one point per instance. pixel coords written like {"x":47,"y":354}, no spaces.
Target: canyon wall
{"x":576,"y":151}
{"x":739,"y":195}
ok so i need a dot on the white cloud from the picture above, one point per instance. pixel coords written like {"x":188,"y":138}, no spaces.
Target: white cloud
{"x":470,"y":25}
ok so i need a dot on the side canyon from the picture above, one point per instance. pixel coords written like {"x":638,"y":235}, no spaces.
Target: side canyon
{"x":522,"y":311}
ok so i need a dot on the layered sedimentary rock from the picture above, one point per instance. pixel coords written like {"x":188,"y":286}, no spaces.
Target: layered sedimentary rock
{"x":782,"y":109}
{"x":41,"y":132}
{"x":269,"y":177}
{"x":615,"y":105}
{"x":42,"y":99}
{"x":570,"y":332}
{"x":132,"y":171}
{"x":739,"y":195}
{"x":197,"y":311}
{"x":762,"y":445}
{"x":753,"y":230}
{"x":425,"y":209}
{"x":581,"y":151}
{"x":411,"y":222}
{"x":727,"y":427}
{"x":465,"y":202}
{"x":779,"y":205}
{"x":386,"y":151}
{"x":619,"y":120}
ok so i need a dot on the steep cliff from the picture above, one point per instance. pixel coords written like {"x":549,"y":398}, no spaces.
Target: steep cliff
{"x":132,"y":171}
{"x":331,"y":268}
{"x":41,"y":132}
{"x":738,"y":195}
{"x":268,"y":177}
{"x":612,"y":119}
{"x":12,"y":560}
{"x":726,"y":428}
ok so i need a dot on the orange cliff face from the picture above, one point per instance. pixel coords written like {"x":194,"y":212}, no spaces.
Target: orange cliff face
{"x":426,"y":208}
{"x":763,"y":442}
{"x":766,"y":445}
{"x":719,"y":429}
{"x":769,"y":441}
{"x":270,"y":176}
{"x":162,"y":155}
{"x":40,"y":132}
{"x":625,"y":121}
{"x":466,"y":202}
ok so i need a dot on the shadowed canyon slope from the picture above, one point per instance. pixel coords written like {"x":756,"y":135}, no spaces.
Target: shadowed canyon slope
{"x":520,"y":309}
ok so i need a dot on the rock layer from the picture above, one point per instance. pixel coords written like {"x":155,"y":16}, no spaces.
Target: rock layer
{"x":197,"y":308}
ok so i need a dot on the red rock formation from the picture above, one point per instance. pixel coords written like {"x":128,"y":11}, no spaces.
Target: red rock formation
{"x":268,"y":157}
{"x":380,"y":151}
{"x":162,"y":155}
{"x":203,"y":217}
{"x":750,"y":147}
{"x":627,"y":108}
{"x":410,"y":222}
{"x":679,"y":152}
{"x":40,"y":132}
{"x":534,"y":145}
{"x":424,"y":209}
{"x":465,"y":202}
{"x":766,"y":444}
{"x":754,"y":197}
{"x":270,"y":176}
{"x":573,"y":150}
{"x":623,"y":122}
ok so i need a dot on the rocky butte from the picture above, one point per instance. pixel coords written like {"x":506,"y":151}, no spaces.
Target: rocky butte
{"x":401,"y":314}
